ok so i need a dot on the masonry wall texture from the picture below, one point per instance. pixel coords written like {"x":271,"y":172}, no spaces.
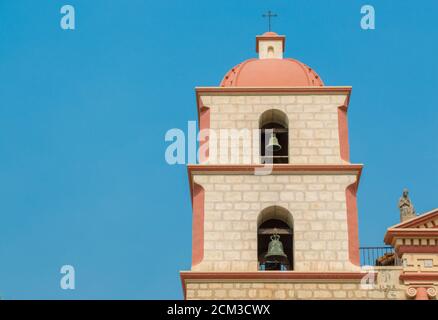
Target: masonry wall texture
{"x":313,"y":193}
{"x":317,"y":204}
{"x":316,"y":201}
{"x":290,"y":290}
{"x":270,"y":49}
{"x":313,"y":125}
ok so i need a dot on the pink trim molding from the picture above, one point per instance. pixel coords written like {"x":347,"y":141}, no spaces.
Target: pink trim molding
{"x":198,"y":224}
{"x":204,"y":124}
{"x":420,"y":220}
{"x":216,"y":91}
{"x":353,"y":225}
{"x":425,"y":277}
{"x":417,"y":249}
{"x":392,"y":234}
{"x":343,"y":131}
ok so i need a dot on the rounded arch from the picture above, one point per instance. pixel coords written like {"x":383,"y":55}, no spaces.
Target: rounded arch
{"x":270,"y":52}
{"x":274,"y":137}
{"x":275,"y":220}
{"x":273,"y":116}
{"x":275,"y":213}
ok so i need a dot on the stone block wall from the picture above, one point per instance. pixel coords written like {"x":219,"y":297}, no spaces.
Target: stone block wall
{"x":300,"y":290}
{"x":317,"y":204}
{"x":420,"y":262}
{"x":291,"y":291}
{"x":313,"y":125}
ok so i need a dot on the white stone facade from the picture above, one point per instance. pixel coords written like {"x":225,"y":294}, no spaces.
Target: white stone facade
{"x":307,"y":194}
{"x":317,"y":204}
{"x":381,"y":289}
{"x":270,"y":49}
{"x":313,"y":125}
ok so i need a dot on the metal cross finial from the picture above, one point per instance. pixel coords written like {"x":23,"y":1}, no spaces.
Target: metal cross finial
{"x":269,"y":15}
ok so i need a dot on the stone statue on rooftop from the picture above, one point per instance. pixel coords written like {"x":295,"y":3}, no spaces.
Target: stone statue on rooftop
{"x":406,"y":207}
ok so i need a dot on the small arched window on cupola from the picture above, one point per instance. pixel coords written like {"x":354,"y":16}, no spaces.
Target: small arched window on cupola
{"x":275,"y":239}
{"x":270,"y":52}
{"x":274,"y":137}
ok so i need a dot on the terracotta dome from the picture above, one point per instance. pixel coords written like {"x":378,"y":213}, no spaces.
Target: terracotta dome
{"x":271,"y":73}
{"x":275,"y":72}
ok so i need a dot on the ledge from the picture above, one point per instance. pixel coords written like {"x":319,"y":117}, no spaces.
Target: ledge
{"x":272,"y":276}
{"x":418,"y":233}
{"x":273,"y":90}
{"x":217,"y":91}
{"x":276,"y":168}
{"x":423,"y":277}
{"x":249,"y":169}
{"x":417,"y":249}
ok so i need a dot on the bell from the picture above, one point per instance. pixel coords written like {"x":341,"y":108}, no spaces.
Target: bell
{"x":273,"y":144}
{"x":275,"y":252}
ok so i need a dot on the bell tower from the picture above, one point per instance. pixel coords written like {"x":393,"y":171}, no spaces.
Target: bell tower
{"x":274,"y":193}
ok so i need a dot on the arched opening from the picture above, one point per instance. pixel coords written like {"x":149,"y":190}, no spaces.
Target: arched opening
{"x":270,"y":52}
{"x":274,"y":137}
{"x":274,"y":226}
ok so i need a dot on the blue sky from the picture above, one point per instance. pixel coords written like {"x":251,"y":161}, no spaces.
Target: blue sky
{"x":83,"y":114}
